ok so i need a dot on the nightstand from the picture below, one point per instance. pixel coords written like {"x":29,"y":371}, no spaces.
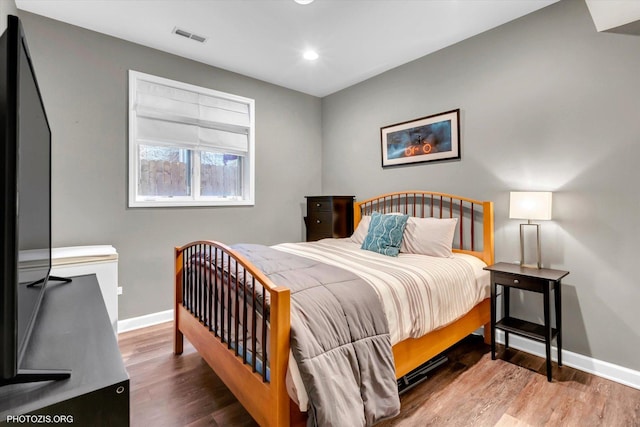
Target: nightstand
{"x":329,"y":216}
{"x":543,"y":280}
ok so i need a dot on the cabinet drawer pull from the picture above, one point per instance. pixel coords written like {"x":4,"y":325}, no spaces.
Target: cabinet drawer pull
{"x":318,"y":205}
{"x":516,"y":281}
{"x":318,"y":221}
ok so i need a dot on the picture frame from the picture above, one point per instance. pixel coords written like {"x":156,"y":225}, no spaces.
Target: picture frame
{"x":427,"y":139}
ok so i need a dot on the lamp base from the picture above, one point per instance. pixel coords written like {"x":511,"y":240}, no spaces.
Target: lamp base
{"x":538,"y":266}
{"x":538,"y":263}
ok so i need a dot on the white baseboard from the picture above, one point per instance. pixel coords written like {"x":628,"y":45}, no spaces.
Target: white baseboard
{"x":607,"y":370}
{"x":133,"y":323}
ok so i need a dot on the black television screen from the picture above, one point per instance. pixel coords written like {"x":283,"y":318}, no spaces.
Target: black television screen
{"x":25,"y":141}
{"x":34,"y":193}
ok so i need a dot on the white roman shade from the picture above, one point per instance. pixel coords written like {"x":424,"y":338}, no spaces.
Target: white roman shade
{"x":178,"y":117}
{"x":189,"y":145}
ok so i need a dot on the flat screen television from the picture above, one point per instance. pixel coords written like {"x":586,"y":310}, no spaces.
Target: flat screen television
{"x":25,"y":215}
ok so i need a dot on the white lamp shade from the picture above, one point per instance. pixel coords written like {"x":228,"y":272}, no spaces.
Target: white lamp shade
{"x":535,"y":205}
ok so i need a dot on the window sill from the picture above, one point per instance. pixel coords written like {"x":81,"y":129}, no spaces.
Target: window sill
{"x":188,"y":203}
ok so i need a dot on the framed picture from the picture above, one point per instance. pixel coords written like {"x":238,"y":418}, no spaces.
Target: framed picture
{"x":427,"y":139}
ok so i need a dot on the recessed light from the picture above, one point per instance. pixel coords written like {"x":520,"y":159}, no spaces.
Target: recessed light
{"x":310,"y":55}
{"x":303,"y":1}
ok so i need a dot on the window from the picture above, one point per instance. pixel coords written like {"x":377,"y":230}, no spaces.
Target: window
{"x":188,"y":145}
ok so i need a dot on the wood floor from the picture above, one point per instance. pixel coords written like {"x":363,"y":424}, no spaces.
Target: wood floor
{"x":469,"y":390}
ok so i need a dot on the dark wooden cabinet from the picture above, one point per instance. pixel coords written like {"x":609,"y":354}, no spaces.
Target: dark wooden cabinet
{"x":540,"y":280}
{"x":329,"y":216}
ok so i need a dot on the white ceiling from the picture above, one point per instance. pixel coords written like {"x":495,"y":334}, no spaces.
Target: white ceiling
{"x":265,"y":39}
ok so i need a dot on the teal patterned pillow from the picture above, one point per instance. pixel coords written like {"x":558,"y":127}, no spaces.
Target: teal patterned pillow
{"x":385,"y":234}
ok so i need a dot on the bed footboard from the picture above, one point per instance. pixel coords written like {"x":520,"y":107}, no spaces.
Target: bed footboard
{"x":239,"y":322}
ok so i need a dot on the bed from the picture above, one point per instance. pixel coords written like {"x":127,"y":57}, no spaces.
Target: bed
{"x":240,"y":321}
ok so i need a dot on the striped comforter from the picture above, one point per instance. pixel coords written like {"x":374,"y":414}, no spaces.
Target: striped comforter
{"x":419,"y":293}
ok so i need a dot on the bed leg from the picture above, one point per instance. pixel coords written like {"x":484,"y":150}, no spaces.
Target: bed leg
{"x":487,"y":333}
{"x":178,"y":340}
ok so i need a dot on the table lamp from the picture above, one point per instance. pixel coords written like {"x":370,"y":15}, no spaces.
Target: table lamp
{"x":532,"y":206}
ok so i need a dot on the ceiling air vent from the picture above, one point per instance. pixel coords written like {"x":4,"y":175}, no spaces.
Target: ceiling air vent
{"x":189,"y":35}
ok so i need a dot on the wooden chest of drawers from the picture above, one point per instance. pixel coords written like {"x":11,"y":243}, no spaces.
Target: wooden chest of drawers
{"x":329,"y":216}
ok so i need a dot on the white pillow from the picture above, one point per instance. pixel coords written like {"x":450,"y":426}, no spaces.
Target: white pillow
{"x":361,"y":230}
{"x":429,"y":236}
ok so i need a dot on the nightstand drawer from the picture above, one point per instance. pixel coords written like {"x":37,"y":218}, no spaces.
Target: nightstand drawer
{"x":319,"y":204}
{"x":520,"y":282}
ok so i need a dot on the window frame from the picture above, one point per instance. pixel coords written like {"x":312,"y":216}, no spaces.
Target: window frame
{"x":248,"y":169}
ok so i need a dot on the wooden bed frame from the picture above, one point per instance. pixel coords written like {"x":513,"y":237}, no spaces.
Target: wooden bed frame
{"x":215,"y":334}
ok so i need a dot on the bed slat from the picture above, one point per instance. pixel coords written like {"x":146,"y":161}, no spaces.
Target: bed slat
{"x":264,"y":332}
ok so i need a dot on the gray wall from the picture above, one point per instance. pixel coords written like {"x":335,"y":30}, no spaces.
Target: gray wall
{"x":547,"y":103}
{"x":83,"y":79}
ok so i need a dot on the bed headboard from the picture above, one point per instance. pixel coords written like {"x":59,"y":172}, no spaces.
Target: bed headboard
{"x":474,"y":234}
